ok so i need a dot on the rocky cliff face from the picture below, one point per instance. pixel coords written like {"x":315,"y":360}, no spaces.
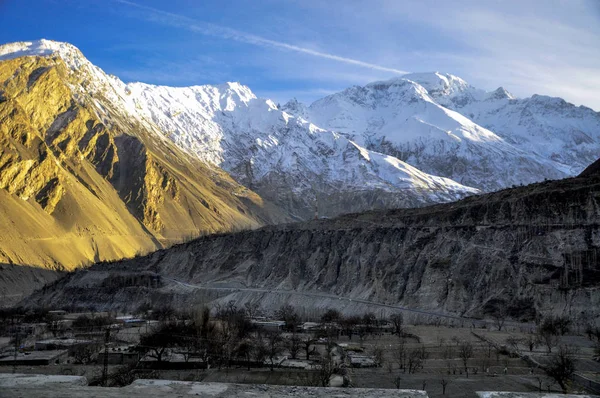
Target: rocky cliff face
{"x":81,"y":183}
{"x":530,"y":250}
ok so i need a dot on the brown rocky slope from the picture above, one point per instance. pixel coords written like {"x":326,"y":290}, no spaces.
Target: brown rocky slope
{"x":79,"y":183}
{"x":530,"y":250}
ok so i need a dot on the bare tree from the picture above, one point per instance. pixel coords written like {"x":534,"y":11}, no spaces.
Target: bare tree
{"x":548,"y":339}
{"x":499,"y":316}
{"x":252,"y":309}
{"x":398,"y":382}
{"x":369,"y":321}
{"x":540,"y":379}
{"x":562,"y":366}
{"x":123,"y":375}
{"x":400,"y":355}
{"x":593,"y":332}
{"x":165,"y":313}
{"x":424,"y":353}
{"x":557,"y":324}
{"x":465,"y":352}
{"x":415,"y":361}
{"x":448,"y":352}
{"x":274,"y":346}
{"x":530,"y":341}
{"x":307,"y":343}
{"x":325,"y":369}
{"x":349,"y":325}
{"x":245,"y":350}
{"x":55,"y":325}
{"x":362,"y":333}
{"x":293,"y":345}
{"x":378,"y":355}
{"x":331,"y":315}
{"x":259,"y":351}
{"x":288,"y":314}
{"x":444,"y":382}
{"x":389,"y":366}
{"x":84,"y":354}
{"x":157,"y":343}
{"x":397,"y":322}
{"x":513,"y":343}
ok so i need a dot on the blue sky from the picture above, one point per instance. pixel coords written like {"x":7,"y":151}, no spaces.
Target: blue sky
{"x":308,"y":49}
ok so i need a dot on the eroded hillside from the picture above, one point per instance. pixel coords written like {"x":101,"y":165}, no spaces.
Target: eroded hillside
{"x":528,"y":250}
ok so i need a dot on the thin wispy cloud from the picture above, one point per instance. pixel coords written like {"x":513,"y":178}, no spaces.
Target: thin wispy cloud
{"x":209,"y":29}
{"x":532,"y":47}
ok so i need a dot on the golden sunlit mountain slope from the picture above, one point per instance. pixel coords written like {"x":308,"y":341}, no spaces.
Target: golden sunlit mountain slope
{"x":81,"y":182}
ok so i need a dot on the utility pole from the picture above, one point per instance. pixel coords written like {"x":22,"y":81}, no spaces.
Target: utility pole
{"x":16,"y":348}
{"x":105,"y":367}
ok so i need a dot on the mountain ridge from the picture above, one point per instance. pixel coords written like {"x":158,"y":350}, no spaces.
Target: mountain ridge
{"x":81,"y":183}
{"x":155,"y":153}
{"x":532,"y":251}
{"x":288,"y":161}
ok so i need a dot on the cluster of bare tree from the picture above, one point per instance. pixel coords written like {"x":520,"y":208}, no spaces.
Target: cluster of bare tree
{"x":217,"y":339}
{"x":227,"y":335}
{"x":410,"y":360}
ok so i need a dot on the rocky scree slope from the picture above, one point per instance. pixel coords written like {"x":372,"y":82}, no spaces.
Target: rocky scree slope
{"x":530,"y":250}
{"x":81,"y":182}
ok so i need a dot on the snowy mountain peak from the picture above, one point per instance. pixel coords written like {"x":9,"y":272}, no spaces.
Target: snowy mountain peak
{"x":499,"y":93}
{"x":396,"y":84}
{"x":71,"y":54}
{"x":236,"y":91}
{"x":437,"y":83}
{"x":296,"y":108}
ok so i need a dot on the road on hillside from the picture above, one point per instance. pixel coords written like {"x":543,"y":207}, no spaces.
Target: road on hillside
{"x":322,"y":295}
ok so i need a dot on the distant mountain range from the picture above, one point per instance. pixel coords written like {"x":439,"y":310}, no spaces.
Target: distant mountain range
{"x":127,"y":168}
{"x":442,"y":125}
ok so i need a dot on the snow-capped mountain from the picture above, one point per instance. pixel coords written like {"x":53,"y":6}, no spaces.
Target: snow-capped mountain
{"x":85,"y":178}
{"x":381,"y":145}
{"x":285,"y":158}
{"x":410,"y":118}
{"x":550,"y":127}
{"x":282,"y":157}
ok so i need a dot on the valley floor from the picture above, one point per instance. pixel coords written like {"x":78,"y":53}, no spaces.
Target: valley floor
{"x":490,"y":369}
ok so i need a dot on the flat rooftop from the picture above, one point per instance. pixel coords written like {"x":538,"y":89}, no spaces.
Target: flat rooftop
{"x":42,"y":386}
{"x":69,"y":386}
{"x":64,"y":341}
{"x":33,"y":356}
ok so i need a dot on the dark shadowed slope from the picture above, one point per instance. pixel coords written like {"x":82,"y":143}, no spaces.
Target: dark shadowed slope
{"x":528,"y":250}
{"x":593,"y":169}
